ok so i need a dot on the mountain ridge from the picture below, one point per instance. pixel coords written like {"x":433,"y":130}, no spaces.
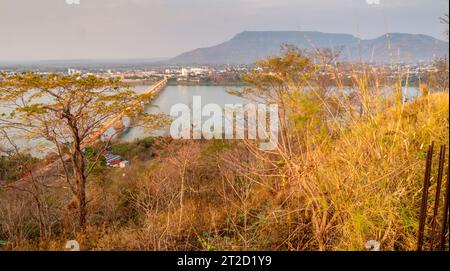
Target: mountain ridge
{"x":248,"y":46}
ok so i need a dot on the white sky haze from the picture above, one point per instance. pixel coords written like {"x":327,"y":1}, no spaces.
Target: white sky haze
{"x":95,"y":29}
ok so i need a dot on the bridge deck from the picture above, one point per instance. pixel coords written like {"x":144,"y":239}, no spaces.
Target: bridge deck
{"x":155,"y":89}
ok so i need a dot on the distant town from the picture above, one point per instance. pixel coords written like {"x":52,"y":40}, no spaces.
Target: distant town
{"x":207,"y":75}
{"x":186,"y":75}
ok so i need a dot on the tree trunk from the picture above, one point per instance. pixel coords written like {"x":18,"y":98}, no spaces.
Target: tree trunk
{"x":79,"y":172}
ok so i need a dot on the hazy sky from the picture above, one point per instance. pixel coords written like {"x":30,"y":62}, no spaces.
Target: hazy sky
{"x":53,"y":29}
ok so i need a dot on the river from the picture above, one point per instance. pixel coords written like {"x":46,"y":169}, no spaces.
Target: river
{"x":169,"y":96}
{"x":209,"y":94}
{"x":181,"y":94}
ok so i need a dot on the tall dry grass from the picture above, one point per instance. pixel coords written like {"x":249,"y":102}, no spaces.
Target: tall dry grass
{"x":350,"y":162}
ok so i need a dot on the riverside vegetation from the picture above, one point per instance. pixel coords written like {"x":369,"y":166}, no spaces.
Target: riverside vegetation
{"x":348,"y":168}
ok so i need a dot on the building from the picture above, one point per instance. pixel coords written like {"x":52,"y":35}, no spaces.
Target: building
{"x":124,"y":164}
{"x":113,"y":160}
{"x":115,"y":163}
{"x":73,"y":71}
{"x":184,"y":72}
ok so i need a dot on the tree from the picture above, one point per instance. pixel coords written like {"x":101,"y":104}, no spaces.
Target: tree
{"x":70,"y":112}
{"x":437,"y":79}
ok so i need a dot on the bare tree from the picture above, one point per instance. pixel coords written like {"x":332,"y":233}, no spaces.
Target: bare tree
{"x":444,"y":20}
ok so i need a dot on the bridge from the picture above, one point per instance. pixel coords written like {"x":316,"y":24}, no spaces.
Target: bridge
{"x":154,"y":90}
{"x":158,"y":87}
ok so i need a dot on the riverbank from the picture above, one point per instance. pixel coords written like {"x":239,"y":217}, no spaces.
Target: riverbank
{"x":187,"y":83}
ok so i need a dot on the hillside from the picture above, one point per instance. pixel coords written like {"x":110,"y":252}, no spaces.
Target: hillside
{"x":249,"y":46}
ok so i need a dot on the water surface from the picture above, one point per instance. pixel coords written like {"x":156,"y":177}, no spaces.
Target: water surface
{"x":172,"y":95}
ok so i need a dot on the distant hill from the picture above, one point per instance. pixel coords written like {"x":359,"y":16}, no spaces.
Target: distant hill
{"x":249,"y":46}
{"x":63,"y":64}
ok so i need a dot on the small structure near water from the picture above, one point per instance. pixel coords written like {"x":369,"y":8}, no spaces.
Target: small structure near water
{"x":114,"y":160}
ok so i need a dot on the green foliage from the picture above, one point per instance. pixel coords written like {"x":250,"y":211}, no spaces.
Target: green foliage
{"x":141,"y":148}
{"x":205,"y":241}
{"x":276,"y":76}
{"x":13,"y":167}
{"x":89,"y":152}
{"x":146,"y":142}
{"x":95,"y":162}
{"x":120,"y":149}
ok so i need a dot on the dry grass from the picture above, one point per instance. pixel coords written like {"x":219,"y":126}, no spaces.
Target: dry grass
{"x":349,"y":168}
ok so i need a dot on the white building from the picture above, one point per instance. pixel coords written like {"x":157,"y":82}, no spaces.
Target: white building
{"x":184,"y":72}
{"x":124,"y":164}
{"x":72,"y":71}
